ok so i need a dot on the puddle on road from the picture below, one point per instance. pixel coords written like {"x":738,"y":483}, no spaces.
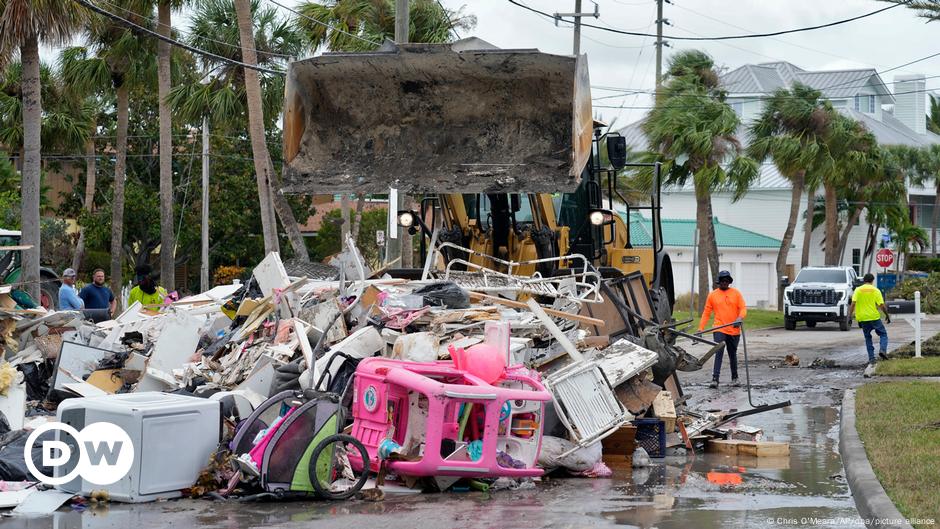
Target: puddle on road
{"x":710,"y":490}
{"x":715,"y":490}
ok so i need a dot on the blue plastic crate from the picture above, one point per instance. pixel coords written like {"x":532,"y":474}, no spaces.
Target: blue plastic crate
{"x":651,"y":436}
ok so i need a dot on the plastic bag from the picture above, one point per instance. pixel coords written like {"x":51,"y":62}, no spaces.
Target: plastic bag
{"x":578,"y":461}
{"x":445,"y":294}
{"x":12,"y":461}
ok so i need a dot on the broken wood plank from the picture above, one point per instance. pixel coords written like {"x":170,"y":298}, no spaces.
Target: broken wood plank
{"x":763,"y":449}
{"x":477,"y":297}
{"x":749,"y":448}
{"x":722,"y":446}
{"x":555,"y":331}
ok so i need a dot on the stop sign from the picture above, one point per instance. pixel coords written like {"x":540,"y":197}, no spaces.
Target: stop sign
{"x":884,"y":258}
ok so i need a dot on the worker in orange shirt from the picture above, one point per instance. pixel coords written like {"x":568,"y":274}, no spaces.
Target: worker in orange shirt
{"x":727,"y":304}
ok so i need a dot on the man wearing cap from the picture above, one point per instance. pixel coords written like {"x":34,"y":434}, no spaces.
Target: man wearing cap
{"x":727,"y":304}
{"x":68,"y":297}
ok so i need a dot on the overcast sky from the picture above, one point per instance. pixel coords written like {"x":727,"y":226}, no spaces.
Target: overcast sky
{"x":881,"y":41}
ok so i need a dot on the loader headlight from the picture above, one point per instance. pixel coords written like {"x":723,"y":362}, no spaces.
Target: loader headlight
{"x":599,"y":217}
{"x":406,"y":219}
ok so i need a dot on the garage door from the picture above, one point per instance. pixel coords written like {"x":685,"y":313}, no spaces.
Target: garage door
{"x":754,"y":283}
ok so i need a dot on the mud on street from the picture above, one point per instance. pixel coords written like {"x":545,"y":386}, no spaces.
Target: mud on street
{"x":707,"y":490}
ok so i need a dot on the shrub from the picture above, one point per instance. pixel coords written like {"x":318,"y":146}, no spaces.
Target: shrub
{"x":929,"y":288}
{"x":224,"y":275}
{"x":921,"y":263}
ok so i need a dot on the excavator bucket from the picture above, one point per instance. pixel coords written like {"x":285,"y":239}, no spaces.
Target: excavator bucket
{"x":464,"y":117}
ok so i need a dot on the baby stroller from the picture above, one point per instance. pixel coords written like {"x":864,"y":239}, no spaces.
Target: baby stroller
{"x":292,"y":441}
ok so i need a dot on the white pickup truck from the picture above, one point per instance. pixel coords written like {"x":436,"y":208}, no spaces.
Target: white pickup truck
{"x":820,"y":293}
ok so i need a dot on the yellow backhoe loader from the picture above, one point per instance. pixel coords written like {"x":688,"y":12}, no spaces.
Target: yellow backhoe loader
{"x":500,"y":143}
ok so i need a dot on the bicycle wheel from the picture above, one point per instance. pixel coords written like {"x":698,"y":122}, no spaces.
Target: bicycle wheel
{"x":334,"y":466}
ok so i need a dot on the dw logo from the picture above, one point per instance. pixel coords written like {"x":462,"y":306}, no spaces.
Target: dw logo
{"x":105,"y":453}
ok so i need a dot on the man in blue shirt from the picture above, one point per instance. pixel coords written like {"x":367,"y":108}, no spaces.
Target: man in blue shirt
{"x":68,"y":297}
{"x":97,"y":295}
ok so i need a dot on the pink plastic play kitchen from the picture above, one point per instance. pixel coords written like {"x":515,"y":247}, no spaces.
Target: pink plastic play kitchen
{"x":439,"y":419}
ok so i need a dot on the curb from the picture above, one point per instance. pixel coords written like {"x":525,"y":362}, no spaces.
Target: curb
{"x":874,"y":506}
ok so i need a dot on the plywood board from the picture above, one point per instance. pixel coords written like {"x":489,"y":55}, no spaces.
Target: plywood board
{"x":107,"y":380}
{"x":270,"y":274}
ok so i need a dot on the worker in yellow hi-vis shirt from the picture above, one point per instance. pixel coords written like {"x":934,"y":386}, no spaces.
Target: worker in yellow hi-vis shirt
{"x":868,"y":305}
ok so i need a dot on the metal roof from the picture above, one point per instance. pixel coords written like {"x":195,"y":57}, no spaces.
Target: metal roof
{"x":837,"y":84}
{"x":890,"y":130}
{"x":681,"y":232}
{"x":786,"y":70}
{"x":834,"y":84}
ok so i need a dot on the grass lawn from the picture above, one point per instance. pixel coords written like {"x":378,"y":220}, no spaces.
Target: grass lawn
{"x":756,"y":318}
{"x":899,"y":422}
{"x":928,"y":366}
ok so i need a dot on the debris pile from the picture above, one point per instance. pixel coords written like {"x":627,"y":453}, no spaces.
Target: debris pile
{"x":340,"y":383}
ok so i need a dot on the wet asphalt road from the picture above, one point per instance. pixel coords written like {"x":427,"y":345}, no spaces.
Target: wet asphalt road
{"x":806,"y":489}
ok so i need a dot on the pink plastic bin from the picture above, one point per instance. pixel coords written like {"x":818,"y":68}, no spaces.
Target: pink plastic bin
{"x":381,"y":410}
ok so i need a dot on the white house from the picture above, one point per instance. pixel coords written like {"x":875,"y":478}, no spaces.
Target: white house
{"x":861,"y":94}
{"x":749,"y":256}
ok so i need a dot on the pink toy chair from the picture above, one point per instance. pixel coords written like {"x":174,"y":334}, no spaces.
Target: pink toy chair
{"x":392,"y":396}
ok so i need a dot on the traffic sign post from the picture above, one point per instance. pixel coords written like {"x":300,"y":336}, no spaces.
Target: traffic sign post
{"x":884,"y":258}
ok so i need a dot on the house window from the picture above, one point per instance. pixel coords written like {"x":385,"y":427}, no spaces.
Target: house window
{"x":838,"y":103}
{"x":865,"y":103}
{"x":738,"y":108}
{"x":857,"y":260}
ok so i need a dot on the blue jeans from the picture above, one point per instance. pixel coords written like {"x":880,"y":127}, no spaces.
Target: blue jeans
{"x":879,"y":328}
{"x":731,"y":346}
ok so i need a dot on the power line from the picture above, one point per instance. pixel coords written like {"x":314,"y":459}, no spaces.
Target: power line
{"x":201,"y":37}
{"x":726,"y":23}
{"x":324,"y":24}
{"x":174,"y":42}
{"x":449,"y":21}
{"x":722,"y":37}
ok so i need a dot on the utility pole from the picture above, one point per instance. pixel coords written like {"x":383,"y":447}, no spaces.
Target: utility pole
{"x":401,"y":21}
{"x":394,"y":237}
{"x":577,"y":22}
{"x":659,"y":44}
{"x":204,"y":267}
{"x":577,"y":28}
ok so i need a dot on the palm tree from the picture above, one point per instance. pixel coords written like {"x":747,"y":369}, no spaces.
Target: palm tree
{"x":93,"y":106}
{"x":164,"y":80}
{"x":884,"y":184}
{"x":923,"y":165}
{"x":23,"y":25}
{"x":259,"y":149}
{"x":66,"y":122}
{"x":854,"y":150}
{"x":112,"y":61}
{"x":354,"y":25}
{"x":907,"y":237}
{"x":221,"y":97}
{"x":791,"y":131}
{"x":362,"y":25}
{"x":692,"y":131}
{"x":933,"y":119}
